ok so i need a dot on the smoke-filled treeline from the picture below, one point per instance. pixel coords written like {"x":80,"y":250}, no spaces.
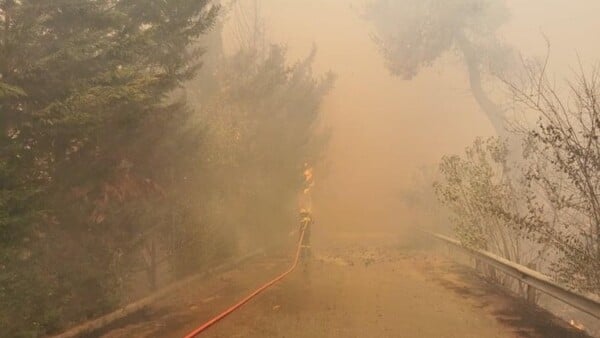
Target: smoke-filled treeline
{"x":112,"y":177}
{"x":546,"y":196}
{"x":413,"y":35}
{"x":530,"y":194}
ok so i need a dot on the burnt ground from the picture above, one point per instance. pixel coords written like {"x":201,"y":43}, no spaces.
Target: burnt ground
{"x":376,"y":285}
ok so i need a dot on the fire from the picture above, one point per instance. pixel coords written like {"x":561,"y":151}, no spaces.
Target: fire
{"x":309,"y":181}
{"x":305,"y":201}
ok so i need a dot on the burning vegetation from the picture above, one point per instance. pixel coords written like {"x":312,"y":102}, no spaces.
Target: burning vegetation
{"x":135,"y":151}
{"x":145,"y":141}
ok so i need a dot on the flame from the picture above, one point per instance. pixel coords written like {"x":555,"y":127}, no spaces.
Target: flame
{"x":305,"y":201}
{"x":309,"y":181}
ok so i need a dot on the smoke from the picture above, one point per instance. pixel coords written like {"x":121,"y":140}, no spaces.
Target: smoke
{"x":384,"y":129}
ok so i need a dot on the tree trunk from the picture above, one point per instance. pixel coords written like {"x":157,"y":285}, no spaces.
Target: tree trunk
{"x":493,"y":112}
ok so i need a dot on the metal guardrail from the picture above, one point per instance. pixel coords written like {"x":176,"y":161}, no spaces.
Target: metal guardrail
{"x":531,"y":278}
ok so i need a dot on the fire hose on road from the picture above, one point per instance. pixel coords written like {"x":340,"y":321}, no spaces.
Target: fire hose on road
{"x":245,"y":300}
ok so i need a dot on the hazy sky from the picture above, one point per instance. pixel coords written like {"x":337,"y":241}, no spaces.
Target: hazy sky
{"x":383,"y":127}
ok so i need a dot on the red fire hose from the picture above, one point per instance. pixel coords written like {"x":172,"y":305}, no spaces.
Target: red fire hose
{"x":250,"y":296}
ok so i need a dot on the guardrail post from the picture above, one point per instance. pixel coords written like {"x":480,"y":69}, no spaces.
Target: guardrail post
{"x":530,"y":290}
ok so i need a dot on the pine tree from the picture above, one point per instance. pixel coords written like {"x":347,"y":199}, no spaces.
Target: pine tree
{"x":83,"y":85}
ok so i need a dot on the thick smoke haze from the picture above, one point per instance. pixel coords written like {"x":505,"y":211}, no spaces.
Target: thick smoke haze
{"x":385,"y":128}
{"x":303,"y":162}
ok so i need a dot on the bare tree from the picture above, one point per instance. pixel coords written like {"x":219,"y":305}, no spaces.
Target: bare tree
{"x":563,"y":150}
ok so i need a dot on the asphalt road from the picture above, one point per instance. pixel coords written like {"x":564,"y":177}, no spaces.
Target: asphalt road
{"x":362,"y":285}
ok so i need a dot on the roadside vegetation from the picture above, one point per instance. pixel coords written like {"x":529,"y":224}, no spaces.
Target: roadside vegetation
{"x":531,"y":193}
{"x":134,"y":151}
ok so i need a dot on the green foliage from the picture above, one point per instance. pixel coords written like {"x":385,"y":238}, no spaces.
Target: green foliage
{"x":550,"y":203}
{"x":477,"y":189}
{"x":109,"y":178}
{"x":80,"y":83}
{"x":563,"y":172}
{"x":262,"y":119}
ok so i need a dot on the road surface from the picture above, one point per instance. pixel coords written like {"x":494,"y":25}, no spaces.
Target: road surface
{"x":375,"y":285}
